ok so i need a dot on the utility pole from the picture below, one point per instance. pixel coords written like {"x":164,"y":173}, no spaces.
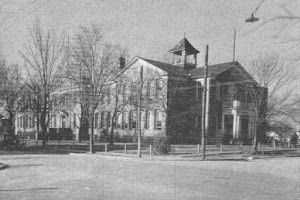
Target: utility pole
{"x":92,"y":110}
{"x":204,"y":105}
{"x":140,"y":113}
{"x":234,"y":39}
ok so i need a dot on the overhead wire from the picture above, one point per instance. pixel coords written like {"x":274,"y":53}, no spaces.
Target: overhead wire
{"x":14,"y":15}
{"x":25,"y":11}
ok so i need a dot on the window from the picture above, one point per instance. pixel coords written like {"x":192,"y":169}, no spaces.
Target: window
{"x":152,"y":90}
{"x":118,"y":120}
{"x":34,"y":122}
{"x":54,"y":121}
{"x":63,"y":101}
{"x":102,"y":122}
{"x":63,"y":121}
{"x":148,"y":88}
{"x":96,"y":120}
{"x":124,"y":92}
{"x":30,"y":122}
{"x":124,"y":120}
{"x":158,"y":120}
{"x":146,"y":119}
{"x":108,"y":119}
{"x":198,"y":122}
{"x":158,"y":87}
{"x":108,"y":96}
{"x":132,"y":121}
{"x":198,"y":91}
{"x":133,"y":88}
{"x":21,"y":122}
{"x":25,"y":121}
{"x":18,"y":122}
{"x":74,"y":120}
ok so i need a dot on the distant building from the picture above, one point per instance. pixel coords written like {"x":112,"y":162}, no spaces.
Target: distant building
{"x":170,"y":102}
{"x":3,"y":127}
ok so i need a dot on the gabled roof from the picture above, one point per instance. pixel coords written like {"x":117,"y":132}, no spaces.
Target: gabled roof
{"x":169,"y":68}
{"x":214,"y":70}
{"x":175,"y":70}
{"x":184,"y":44}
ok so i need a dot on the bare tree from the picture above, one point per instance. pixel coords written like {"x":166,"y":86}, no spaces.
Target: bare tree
{"x":280,"y":79}
{"x":45,"y":58}
{"x":274,"y":96}
{"x":94,"y":69}
{"x":287,"y":20}
{"x":11,"y":92}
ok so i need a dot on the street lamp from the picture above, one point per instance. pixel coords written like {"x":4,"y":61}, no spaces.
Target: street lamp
{"x":252,"y":19}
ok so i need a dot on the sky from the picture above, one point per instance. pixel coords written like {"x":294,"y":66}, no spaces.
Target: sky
{"x":149,"y":28}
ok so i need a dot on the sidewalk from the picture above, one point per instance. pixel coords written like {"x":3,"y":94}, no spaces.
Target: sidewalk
{"x":233,"y":155}
{"x":225,"y":155}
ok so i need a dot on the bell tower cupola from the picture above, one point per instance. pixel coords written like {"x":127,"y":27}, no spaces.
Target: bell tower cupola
{"x":184,"y":54}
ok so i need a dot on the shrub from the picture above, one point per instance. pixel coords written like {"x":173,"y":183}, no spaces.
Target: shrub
{"x":226,"y":138}
{"x":127,"y":138}
{"x":161,"y":145}
{"x":147,"y":140}
{"x":294,"y":139}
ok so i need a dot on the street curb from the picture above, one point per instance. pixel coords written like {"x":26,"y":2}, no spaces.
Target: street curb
{"x":195,"y":157}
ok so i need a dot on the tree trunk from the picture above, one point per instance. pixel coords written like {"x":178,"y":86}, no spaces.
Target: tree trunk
{"x":255,"y":143}
{"x":11,"y":128}
{"x":92,"y":133}
{"x":111,"y":135}
{"x":44,"y":132}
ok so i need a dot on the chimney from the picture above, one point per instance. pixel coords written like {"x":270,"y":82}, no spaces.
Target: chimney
{"x":122,"y":62}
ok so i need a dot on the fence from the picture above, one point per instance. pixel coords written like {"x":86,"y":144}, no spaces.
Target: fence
{"x":146,"y":148}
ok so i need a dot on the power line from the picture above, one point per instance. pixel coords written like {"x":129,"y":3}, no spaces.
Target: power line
{"x":23,"y":15}
{"x":12,"y":17}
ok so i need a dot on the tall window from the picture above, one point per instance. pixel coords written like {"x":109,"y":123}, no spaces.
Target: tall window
{"x":34,"y":122}
{"x":124,"y":92}
{"x":63,"y":102}
{"x":124,"y":120}
{"x":96,"y":120}
{"x":158,"y":86}
{"x":132,"y":121}
{"x":158,"y":120}
{"x":18,"y":122}
{"x":118,"y":120}
{"x":25,"y":121}
{"x":133,"y":90}
{"x":108,"y":96}
{"x":148,"y":89}
{"x":198,"y":91}
{"x":30,"y":122}
{"x":108,"y":119}
{"x":102,"y":120}
{"x":21,"y":122}
{"x":63,"y":121}
{"x":74,"y":120}
{"x":54,"y":121}
{"x":147,"y":119}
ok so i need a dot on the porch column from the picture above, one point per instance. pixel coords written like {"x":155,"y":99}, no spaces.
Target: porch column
{"x":236,"y":124}
{"x":223,"y":122}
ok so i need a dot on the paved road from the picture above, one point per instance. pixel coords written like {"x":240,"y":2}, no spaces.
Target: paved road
{"x":101,"y":177}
